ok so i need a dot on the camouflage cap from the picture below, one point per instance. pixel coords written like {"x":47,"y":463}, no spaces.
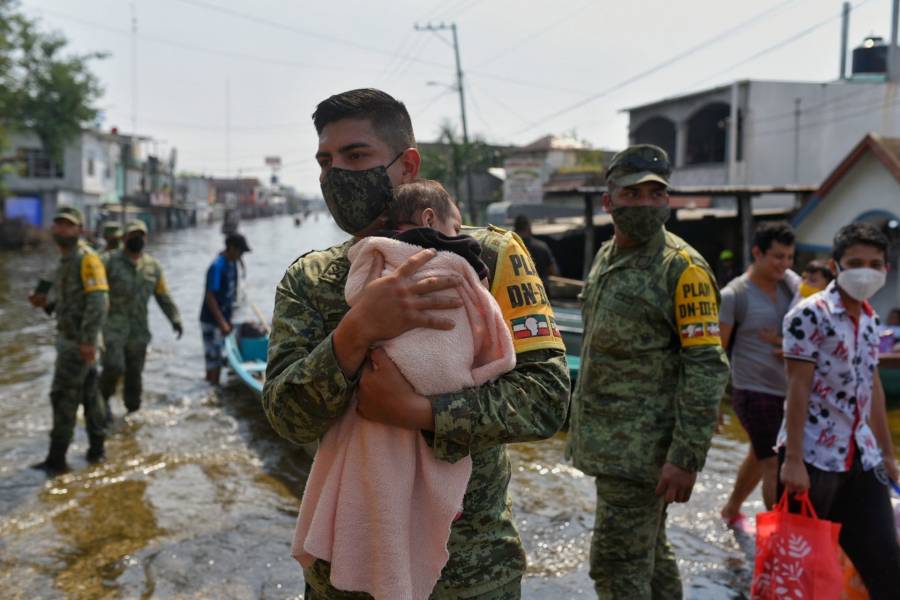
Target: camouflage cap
{"x":70,"y":214}
{"x":638,"y":164}
{"x":112,"y":229}
{"x":135,"y":225}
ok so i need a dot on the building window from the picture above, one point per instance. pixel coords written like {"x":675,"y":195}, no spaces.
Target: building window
{"x":658,"y":131}
{"x":90,"y":165}
{"x":37,"y":164}
{"x":708,"y":135}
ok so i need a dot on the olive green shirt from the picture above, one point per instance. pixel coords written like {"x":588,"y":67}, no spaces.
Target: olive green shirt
{"x":131,"y":284}
{"x":652,"y":366}
{"x":80,"y":295}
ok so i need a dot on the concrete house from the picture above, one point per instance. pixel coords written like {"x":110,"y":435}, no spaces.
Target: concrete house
{"x":865,"y":186}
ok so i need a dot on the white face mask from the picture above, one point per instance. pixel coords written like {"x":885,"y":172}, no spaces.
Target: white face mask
{"x":861,"y":284}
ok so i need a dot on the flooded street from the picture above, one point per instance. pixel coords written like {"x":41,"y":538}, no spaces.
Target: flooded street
{"x":198,"y":496}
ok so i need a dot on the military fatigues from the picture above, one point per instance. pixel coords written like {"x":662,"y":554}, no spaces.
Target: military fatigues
{"x":306,"y":392}
{"x":127,"y":333}
{"x":81,"y":303}
{"x":652,"y":373}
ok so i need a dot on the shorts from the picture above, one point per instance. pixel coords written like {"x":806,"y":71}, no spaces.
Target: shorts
{"x":760,"y":414}
{"x":213,"y":345}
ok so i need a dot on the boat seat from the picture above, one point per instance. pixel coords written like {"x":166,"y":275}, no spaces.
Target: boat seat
{"x":254,"y":367}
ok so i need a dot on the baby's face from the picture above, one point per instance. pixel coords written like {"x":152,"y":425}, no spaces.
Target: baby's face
{"x":451,"y":225}
{"x":816,"y":280}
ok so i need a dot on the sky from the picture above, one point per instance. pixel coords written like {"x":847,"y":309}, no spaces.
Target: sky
{"x":229,"y":82}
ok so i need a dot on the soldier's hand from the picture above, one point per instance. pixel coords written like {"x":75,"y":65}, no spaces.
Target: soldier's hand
{"x":385,"y":396}
{"x":794,"y":476}
{"x":675,"y":484}
{"x":88,"y":353}
{"x":179,"y":330}
{"x":394,"y":304}
{"x":37,"y":300}
{"x":225,"y":328}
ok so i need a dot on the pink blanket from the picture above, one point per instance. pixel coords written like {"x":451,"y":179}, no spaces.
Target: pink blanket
{"x":378,"y":505}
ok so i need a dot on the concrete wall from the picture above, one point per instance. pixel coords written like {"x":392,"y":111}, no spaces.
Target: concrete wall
{"x":833,"y":118}
{"x":777,"y":147}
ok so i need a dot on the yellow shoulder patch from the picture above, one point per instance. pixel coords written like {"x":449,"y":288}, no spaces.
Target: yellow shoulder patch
{"x":93,"y":274}
{"x":523,"y":300}
{"x":161,"y":287}
{"x":696,"y":309}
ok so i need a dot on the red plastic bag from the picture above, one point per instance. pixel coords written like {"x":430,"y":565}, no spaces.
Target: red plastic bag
{"x":796,"y":555}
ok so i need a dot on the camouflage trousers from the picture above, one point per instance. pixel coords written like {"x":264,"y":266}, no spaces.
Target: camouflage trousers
{"x":123,"y":357}
{"x":318,"y":587}
{"x":630,"y":556}
{"x":74,"y":384}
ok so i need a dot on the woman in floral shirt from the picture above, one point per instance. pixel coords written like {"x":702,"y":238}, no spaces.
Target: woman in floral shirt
{"x":835,"y":440}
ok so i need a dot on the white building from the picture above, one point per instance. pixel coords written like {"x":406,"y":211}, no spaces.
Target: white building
{"x":85,"y":179}
{"x":865,"y":186}
{"x":771,"y":133}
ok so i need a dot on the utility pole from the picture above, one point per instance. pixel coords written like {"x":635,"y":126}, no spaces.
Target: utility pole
{"x":470,"y":197}
{"x":227,"y":127}
{"x":134,"y":81}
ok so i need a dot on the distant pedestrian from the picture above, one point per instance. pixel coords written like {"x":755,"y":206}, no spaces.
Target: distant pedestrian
{"x":540,"y":252}
{"x":815,"y":277}
{"x":218,"y":302}
{"x":727,"y":268}
{"x":80,"y":305}
{"x":753,"y":306}
{"x":652,"y":374}
{"x":134,"y":276}
{"x":836,"y":441}
{"x":112,"y":234}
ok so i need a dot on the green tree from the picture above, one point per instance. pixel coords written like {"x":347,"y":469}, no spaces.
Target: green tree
{"x":447,"y":165}
{"x":41,"y":89}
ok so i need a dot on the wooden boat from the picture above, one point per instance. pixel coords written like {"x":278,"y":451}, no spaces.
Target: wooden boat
{"x":568,"y":321}
{"x":247,"y":358}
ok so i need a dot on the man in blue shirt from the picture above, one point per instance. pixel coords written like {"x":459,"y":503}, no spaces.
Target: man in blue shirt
{"x":218,"y":301}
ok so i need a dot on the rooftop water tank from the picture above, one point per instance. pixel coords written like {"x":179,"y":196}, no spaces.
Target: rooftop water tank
{"x":870,"y":57}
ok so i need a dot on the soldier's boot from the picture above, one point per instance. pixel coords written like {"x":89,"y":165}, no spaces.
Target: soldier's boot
{"x":55,"y":463}
{"x":95,"y":452}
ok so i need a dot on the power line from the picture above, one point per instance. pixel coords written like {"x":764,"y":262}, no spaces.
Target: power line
{"x":195,"y":48}
{"x":534,"y":34}
{"x":785,"y":42}
{"x":680,"y":56}
{"x":863,"y":109}
{"x":297,"y":30}
{"x":370,"y":49}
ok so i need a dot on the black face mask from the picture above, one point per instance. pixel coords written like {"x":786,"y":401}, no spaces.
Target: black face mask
{"x":65,"y":242}
{"x":135,"y":244}
{"x":356,"y":198}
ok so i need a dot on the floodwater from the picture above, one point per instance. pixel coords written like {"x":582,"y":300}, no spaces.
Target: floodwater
{"x":198,"y":496}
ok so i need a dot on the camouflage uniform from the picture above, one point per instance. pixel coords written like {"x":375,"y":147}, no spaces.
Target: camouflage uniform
{"x":652,"y":373}
{"x":127,"y":333}
{"x":306,"y":391}
{"x":81,"y":304}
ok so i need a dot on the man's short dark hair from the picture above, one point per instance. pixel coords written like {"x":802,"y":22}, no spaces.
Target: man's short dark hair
{"x":521,"y":223}
{"x":820,"y":267}
{"x":412,"y":198}
{"x":773,"y":231}
{"x":388,"y":116}
{"x":855,"y":234}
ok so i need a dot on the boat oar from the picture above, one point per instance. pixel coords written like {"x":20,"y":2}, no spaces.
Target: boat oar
{"x":260,"y":316}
